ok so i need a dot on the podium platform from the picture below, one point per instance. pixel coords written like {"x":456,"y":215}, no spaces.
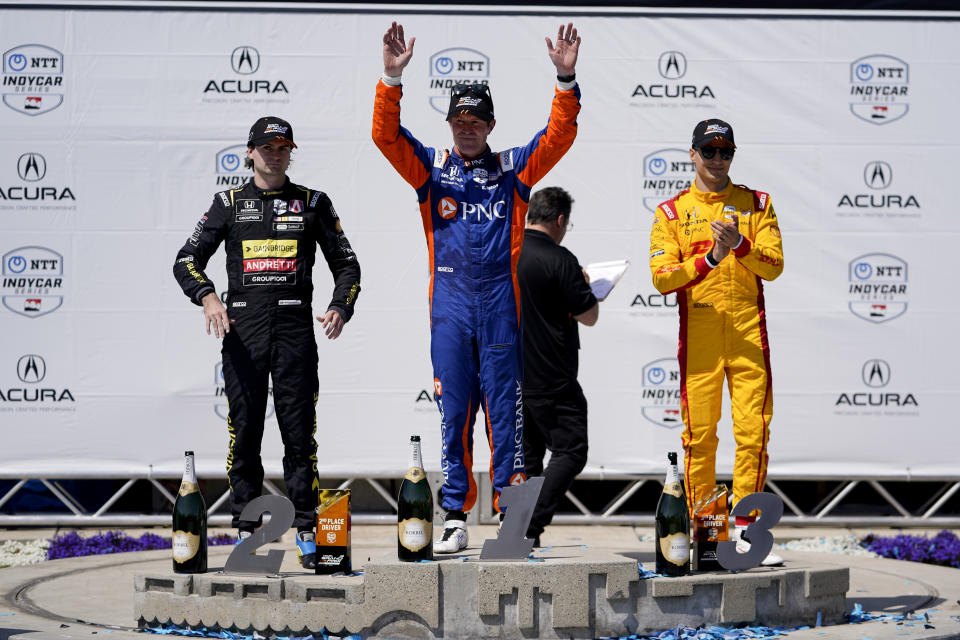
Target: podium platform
{"x":570,"y":591}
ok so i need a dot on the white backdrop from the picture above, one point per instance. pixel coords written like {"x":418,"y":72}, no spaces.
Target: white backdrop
{"x":118,"y":127}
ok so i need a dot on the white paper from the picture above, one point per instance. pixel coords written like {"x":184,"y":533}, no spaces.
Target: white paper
{"x":604,"y":275}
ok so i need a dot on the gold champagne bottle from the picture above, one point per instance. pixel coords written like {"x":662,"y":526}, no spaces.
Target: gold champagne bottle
{"x":415,"y":511}
{"x":673,"y":525}
{"x":189,"y":523}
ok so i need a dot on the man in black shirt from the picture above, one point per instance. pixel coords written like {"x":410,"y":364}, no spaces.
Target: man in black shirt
{"x":555,"y":295}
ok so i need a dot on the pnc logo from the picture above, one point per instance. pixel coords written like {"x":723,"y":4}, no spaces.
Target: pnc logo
{"x":245,"y":60}
{"x":437,"y":387}
{"x":517,"y":479}
{"x":31,"y":167}
{"x":672,"y":65}
{"x":447,"y":208}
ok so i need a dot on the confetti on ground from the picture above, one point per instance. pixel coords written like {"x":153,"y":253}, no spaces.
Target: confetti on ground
{"x":20,"y":553}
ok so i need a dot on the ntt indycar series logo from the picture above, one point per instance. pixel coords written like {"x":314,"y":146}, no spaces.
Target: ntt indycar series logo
{"x":878,"y":287}
{"x":675,"y":87}
{"x":879,"y":86}
{"x":33,"y":79}
{"x":660,"y":396}
{"x":32,"y":283}
{"x":450,"y":67}
{"x":230,"y":171}
{"x":666,"y":173}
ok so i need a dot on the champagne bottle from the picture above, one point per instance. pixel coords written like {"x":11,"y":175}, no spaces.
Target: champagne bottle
{"x":415,"y":511}
{"x":673,"y":525}
{"x":189,"y":524}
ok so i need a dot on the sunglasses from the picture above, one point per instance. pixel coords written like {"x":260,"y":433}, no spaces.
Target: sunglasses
{"x":461,"y":89}
{"x":726,"y":153}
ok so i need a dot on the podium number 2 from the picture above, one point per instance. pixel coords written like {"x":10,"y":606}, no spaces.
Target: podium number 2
{"x":761,"y":540}
{"x":244,"y":558}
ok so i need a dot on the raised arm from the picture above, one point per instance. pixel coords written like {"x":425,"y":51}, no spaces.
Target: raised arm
{"x":564,"y":53}
{"x":396,"y":54}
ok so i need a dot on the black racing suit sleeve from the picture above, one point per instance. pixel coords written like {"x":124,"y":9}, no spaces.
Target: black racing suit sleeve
{"x":196,"y":251}
{"x":340,"y":258}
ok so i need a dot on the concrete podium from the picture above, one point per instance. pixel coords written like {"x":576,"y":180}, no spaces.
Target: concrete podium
{"x":568,"y":591}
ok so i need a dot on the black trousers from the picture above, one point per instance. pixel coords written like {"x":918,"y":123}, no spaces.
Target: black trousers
{"x":559,"y":423}
{"x":278,"y":342}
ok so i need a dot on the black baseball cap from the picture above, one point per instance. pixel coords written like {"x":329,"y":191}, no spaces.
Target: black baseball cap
{"x":474,"y":99}
{"x":270,"y":128}
{"x":713,"y":131}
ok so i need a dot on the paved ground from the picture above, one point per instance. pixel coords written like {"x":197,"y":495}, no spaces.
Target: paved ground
{"x":93,"y":596}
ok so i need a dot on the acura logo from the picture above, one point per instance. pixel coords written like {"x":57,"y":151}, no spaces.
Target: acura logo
{"x":31,"y":368}
{"x":672,"y":65}
{"x":245,"y":60}
{"x":31,"y":167}
{"x":876,"y":373}
{"x":877,"y":174}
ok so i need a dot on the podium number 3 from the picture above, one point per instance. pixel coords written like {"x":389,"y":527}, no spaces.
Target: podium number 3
{"x":244,"y":558}
{"x":761,"y":540}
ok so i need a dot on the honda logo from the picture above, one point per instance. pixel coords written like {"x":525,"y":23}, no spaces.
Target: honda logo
{"x":31,"y":167}
{"x":245,"y":60}
{"x":672,"y":65}
{"x":31,"y":368}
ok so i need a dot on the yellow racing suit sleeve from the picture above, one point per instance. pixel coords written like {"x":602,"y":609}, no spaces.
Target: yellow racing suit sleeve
{"x":672,"y":271}
{"x":763,"y":255}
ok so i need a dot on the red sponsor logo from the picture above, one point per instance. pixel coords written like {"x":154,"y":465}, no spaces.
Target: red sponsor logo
{"x":296,"y":206}
{"x":437,"y":386}
{"x":269,"y":264}
{"x":447,"y":208}
{"x":518,"y":478}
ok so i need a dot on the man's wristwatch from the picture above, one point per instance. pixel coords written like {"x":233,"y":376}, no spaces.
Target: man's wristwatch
{"x":569,"y":78}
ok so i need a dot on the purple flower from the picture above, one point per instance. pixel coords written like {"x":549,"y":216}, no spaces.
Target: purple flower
{"x":943,"y":549}
{"x":72,"y":545}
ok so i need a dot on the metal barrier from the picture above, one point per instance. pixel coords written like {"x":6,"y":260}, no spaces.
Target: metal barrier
{"x":935,"y":497}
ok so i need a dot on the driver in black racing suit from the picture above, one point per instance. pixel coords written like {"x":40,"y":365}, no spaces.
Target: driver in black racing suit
{"x":271,"y":228}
